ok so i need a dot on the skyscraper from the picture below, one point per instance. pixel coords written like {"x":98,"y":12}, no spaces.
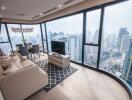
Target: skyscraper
{"x":124,"y":43}
{"x":75,"y":47}
{"x":127,"y":66}
{"x":122,"y":32}
{"x":95,"y":36}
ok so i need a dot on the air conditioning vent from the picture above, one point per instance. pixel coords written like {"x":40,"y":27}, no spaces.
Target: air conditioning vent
{"x":67,"y":2}
{"x":50,"y":10}
{"x":20,"y":14}
{"x":54,"y":8}
{"x":36,"y":17}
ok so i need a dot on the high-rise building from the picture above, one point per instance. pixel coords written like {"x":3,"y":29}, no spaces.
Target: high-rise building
{"x":75,"y":47}
{"x":124,"y":43}
{"x":122,"y":32}
{"x":88,"y":37}
{"x":127,"y":66}
{"x":95,"y":36}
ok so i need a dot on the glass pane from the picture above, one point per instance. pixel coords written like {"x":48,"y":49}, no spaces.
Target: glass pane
{"x":43,"y":30}
{"x":90,"y":55}
{"x":116,"y":52}
{"x":15,"y":35}
{"x":69,"y":30}
{"x":92,"y":26}
{"x":33,"y":35}
{"x":41,"y":47}
{"x":6,"y":48}
{"x":75,"y":48}
{"x":45,"y":46}
{"x":3,"y":34}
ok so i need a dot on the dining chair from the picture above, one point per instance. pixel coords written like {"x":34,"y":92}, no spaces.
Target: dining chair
{"x":35,"y":50}
{"x":23,"y":50}
{"x":19,"y":45}
{"x":29,"y":45}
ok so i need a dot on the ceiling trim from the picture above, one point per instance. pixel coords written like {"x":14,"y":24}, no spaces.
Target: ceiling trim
{"x":66,"y":11}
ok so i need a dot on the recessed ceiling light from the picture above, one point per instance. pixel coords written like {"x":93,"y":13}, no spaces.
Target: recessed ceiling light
{"x":0,"y":16}
{"x":59,"y":6}
{"x":3,"y":7}
{"x":40,"y":14}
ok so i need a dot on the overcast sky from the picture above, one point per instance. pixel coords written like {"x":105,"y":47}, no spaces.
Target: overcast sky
{"x":69,"y":25}
{"x":116,"y":16}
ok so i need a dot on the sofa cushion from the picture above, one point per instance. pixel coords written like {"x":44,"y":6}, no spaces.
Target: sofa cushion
{"x":15,"y":57}
{"x":11,"y":69}
{"x":22,"y":57}
{"x":5,"y":61}
{"x":16,"y":60}
{"x":27,"y":63}
{"x":18,"y":64}
{"x":19,"y":55}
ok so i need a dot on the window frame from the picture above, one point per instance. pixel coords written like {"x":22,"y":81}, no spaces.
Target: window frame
{"x":92,"y":44}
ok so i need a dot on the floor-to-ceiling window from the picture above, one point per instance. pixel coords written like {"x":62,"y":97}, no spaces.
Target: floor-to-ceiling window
{"x":4,"y":40}
{"x":15,"y":34}
{"x":44,"y":37}
{"x":69,"y":30}
{"x":116,"y":52}
{"x":91,"y":37}
{"x":32,"y":33}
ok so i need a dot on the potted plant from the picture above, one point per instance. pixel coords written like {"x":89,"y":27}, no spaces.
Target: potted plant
{"x":24,"y":41}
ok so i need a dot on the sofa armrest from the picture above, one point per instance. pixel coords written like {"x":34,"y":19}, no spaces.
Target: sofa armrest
{"x":21,"y":57}
{"x":23,"y":83}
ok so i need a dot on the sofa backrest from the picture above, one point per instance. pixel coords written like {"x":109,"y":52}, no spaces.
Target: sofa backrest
{"x":1,"y":52}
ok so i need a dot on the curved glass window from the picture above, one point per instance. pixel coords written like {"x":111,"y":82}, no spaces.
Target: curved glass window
{"x":116,"y":52}
{"x":32,"y":34}
{"x":4,"y":41}
{"x":3,"y":34}
{"x":69,"y":30}
{"x":15,"y":35}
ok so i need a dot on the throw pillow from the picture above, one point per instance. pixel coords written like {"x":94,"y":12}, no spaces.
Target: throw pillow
{"x":17,"y":64}
{"x":22,"y":57}
{"x":11,"y":69}
{"x":16,"y":61}
{"x":5,"y":61}
{"x":15,"y":57}
{"x":1,"y":52}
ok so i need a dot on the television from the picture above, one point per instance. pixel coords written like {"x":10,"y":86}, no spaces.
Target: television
{"x":58,"y":47}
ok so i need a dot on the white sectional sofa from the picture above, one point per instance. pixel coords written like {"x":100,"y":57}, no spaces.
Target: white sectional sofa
{"x":24,"y":82}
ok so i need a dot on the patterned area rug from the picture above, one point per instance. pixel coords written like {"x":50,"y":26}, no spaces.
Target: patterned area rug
{"x":55,"y":74}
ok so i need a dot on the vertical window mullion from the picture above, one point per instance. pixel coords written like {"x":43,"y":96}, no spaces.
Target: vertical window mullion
{"x":100,"y":36}
{"x":7,"y":31}
{"x":22,"y":31}
{"x":84,"y":34}
{"x":46,"y":37}
{"x":42,"y":35}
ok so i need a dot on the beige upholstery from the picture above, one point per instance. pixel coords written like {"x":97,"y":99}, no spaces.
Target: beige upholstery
{"x":61,"y":61}
{"x":27,"y":63}
{"x":24,"y":82}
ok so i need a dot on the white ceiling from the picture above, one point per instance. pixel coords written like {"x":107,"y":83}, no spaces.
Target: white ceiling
{"x":27,"y":9}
